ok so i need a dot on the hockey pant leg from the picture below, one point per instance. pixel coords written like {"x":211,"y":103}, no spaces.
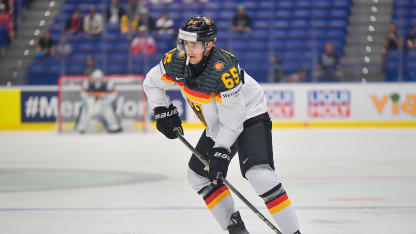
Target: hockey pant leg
{"x":217,"y":197}
{"x":257,"y":165}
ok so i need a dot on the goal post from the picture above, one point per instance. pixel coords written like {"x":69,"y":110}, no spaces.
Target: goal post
{"x":130,"y":104}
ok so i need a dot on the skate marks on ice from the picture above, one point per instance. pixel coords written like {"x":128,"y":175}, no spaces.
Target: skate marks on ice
{"x":29,"y":179}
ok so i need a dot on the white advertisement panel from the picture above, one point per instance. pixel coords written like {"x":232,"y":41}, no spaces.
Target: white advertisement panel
{"x":394,"y":102}
{"x":340,"y":103}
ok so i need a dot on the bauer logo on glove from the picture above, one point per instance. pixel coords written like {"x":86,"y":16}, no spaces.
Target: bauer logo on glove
{"x":168,"y":121}
{"x":166,"y":114}
{"x":222,"y":156}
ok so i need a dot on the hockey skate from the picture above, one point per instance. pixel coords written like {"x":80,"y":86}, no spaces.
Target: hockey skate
{"x":238,"y":225}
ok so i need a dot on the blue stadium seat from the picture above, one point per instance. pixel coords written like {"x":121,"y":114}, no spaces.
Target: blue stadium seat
{"x":324,"y":4}
{"x":304,"y":4}
{"x":261,"y":24}
{"x":300,"y":23}
{"x":75,"y":69}
{"x":285,"y":4}
{"x":298,"y":33}
{"x":339,"y":23}
{"x":213,"y":6}
{"x":264,"y":14}
{"x":266,"y":4}
{"x":319,"y":13}
{"x":87,"y":47}
{"x":318,"y":23}
{"x":260,"y":34}
{"x":338,"y":13}
{"x":279,"y":33}
{"x":341,"y":3}
{"x":336,"y":33}
{"x":230,"y":5}
{"x":283,"y":14}
{"x":296,"y":30}
{"x":302,"y":13}
{"x":281,"y":24}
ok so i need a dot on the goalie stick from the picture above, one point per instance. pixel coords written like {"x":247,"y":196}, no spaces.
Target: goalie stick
{"x":234,"y":190}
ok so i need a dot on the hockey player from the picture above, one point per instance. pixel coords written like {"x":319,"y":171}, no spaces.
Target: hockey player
{"x":232,"y":107}
{"x":97,"y":97}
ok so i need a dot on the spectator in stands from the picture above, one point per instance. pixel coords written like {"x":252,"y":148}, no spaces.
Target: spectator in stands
{"x":63,"y":49}
{"x":275,"y":69}
{"x":90,"y":65}
{"x":411,"y":40}
{"x":46,"y":46}
{"x":241,"y":21}
{"x":74,"y":24}
{"x":137,"y":16}
{"x":93,"y":22}
{"x":8,"y":6}
{"x":392,"y":42}
{"x":328,"y":65}
{"x":145,"y":19}
{"x":129,"y":21}
{"x":115,"y":12}
{"x":7,"y":21}
{"x":143,"y":43}
{"x":164,"y":25}
{"x":299,"y":76}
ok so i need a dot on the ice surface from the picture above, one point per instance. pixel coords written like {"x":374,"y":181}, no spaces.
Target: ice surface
{"x":340,"y":181}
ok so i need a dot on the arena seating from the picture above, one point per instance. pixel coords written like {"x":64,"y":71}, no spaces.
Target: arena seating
{"x":295,"y":30}
{"x":400,"y":65}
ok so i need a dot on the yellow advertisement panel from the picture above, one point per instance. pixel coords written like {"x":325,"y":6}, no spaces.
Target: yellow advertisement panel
{"x":9,"y":108}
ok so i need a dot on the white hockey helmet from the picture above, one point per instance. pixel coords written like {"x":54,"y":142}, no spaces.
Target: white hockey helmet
{"x":97,"y":75}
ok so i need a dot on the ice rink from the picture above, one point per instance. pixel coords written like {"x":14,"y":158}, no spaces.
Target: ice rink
{"x":340,"y":181}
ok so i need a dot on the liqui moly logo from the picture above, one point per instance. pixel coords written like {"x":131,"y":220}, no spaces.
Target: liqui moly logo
{"x":280,"y":103}
{"x":329,"y":103}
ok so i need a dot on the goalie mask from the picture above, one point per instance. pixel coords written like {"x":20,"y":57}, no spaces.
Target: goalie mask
{"x":97,"y":78}
{"x":197,"y":28}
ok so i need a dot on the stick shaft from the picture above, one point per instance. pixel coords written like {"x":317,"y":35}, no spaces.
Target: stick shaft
{"x":234,"y":190}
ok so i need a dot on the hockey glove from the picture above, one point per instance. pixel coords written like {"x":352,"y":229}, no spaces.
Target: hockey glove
{"x":219,"y":159}
{"x":167,"y":120}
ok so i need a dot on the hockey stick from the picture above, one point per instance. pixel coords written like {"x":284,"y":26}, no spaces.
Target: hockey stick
{"x":235,"y":191}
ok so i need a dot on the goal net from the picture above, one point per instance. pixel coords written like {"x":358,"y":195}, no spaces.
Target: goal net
{"x":129,"y":105}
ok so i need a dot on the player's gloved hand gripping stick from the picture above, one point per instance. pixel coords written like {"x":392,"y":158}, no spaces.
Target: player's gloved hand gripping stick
{"x":219,"y":159}
{"x":167,"y":119}
{"x":219,"y":176}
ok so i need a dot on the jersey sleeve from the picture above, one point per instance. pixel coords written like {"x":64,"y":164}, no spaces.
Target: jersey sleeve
{"x":231,"y":109}
{"x":155,"y":86}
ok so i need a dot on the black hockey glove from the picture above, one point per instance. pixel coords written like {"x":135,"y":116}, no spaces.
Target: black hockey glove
{"x":219,"y":159}
{"x":167,"y":119}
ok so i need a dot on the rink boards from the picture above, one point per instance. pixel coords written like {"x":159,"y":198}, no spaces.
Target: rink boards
{"x":290,"y":105}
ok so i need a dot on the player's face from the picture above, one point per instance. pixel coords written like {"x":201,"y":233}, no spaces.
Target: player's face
{"x":195,"y":51}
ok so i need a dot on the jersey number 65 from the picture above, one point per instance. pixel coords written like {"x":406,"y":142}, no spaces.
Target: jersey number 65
{"x":230,"y":80}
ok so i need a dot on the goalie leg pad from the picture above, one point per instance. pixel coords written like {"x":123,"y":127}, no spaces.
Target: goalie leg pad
{"x":217,"y":198}
{"x":110,"y":119}
{"x":83,"y":120}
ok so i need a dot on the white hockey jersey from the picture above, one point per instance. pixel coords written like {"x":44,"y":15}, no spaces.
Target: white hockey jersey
{"x":222,"y":113}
